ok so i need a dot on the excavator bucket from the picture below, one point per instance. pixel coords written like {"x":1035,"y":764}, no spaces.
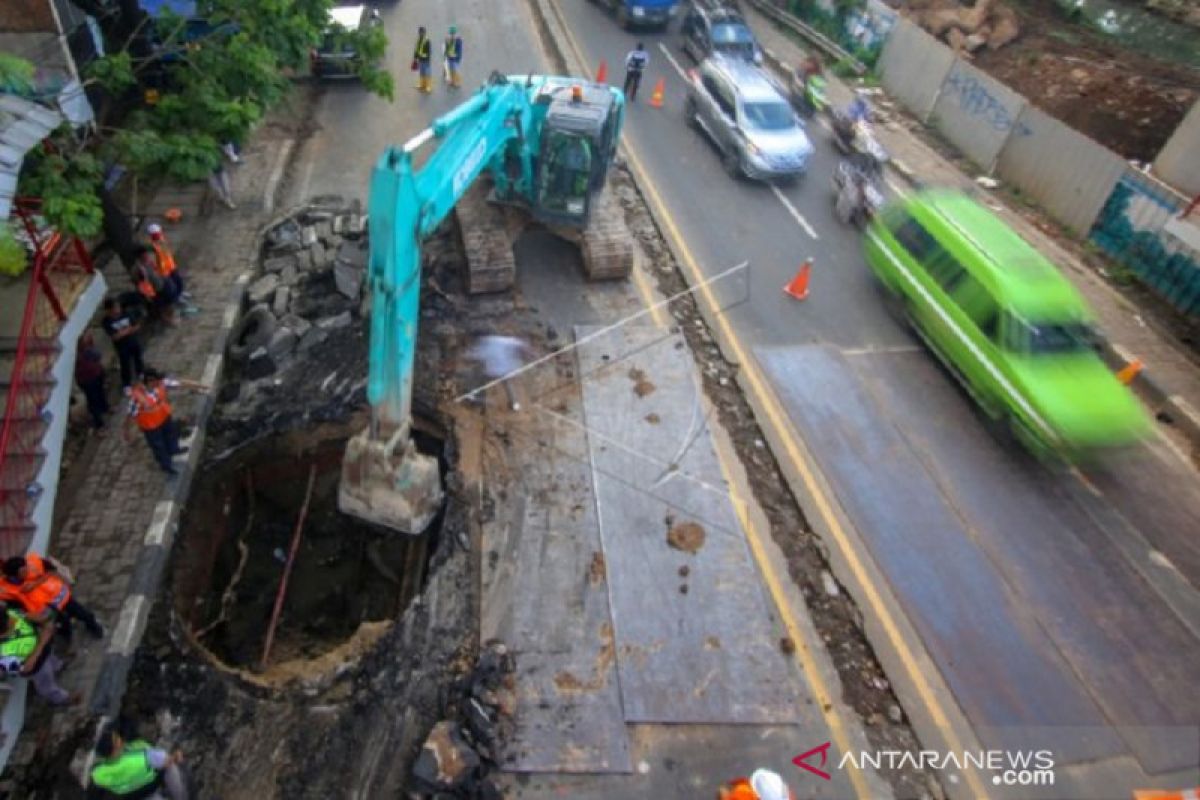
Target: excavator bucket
{"x":389,"y":483}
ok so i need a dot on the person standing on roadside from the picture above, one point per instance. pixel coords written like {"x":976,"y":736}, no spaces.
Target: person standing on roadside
{"x":422,"y":59}
{"x":635,"y":64}
{"x":89,"y":377}
{"x":150,"y":411}
{"x":122,"y":329}
{"x":452,"y":52}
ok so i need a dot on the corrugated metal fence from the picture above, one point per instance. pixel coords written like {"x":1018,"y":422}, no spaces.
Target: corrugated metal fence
{"x":1084,"y":185}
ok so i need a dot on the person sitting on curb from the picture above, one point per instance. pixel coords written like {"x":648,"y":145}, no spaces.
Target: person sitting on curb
{"x":131,"y":768}
{"x":168,"y":268}
{"x":42,"y":586}
{"x":150,"y":410}
{"x":25,"y":652}
{"x":161,"y":294}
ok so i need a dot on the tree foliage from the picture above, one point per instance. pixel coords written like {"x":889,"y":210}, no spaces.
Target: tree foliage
{"x":192,"y":86}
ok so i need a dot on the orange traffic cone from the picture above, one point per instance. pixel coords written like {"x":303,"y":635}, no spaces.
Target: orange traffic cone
{"x":797,"y":287}
{"x":602,"y":72}
{"x":656,"y":98}
{"x":1130,"y":371}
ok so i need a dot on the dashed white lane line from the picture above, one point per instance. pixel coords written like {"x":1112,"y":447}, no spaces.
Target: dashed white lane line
{"x":671,"y":59}
{"x":796,"y":215}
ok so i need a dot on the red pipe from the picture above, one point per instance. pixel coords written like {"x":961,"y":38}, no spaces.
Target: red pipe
{"x":287,"y":571}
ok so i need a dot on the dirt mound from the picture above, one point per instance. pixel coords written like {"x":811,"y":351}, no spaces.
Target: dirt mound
{"x":1127,"y":102}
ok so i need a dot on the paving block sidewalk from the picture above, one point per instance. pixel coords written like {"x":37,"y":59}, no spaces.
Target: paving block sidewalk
{"x":115,"y":522}
{"x":1171,"y":380}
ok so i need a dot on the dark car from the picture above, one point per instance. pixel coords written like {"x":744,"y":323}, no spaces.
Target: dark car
{"x":336,"y":57}
{"x":718,"y":30}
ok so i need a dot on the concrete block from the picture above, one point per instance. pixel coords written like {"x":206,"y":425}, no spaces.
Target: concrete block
{"x":308,"y":236}
{"x":338,"y":322}
{"x":296,"y":324}
{"x":289,"y":275}
{"x":276,"y":264}
{"x":312,"y":337}
{"x":262,"y":289}
{"x":282,"y":343}
{"x":318,"y":257}
{"x":282,"y":297}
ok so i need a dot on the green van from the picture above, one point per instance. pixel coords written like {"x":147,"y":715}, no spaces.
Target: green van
{"x":1010,"y":327}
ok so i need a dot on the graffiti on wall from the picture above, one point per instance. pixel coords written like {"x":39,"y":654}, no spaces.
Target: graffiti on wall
{"x":860,"y":29}
{"x":976,"y":99}
{"x":1127,"y":232}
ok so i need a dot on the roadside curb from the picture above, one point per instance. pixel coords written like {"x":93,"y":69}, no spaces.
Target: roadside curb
{"x":146,"y":577}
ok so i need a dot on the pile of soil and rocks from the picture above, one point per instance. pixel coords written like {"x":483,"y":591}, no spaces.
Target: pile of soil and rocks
{"x":1128,"y":102}
{"x":408,"y":705}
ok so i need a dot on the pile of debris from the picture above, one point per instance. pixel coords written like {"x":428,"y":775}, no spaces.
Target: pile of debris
{"x":462,"y":749}
{"x":307,"y":248}
{"x":966,"y":28}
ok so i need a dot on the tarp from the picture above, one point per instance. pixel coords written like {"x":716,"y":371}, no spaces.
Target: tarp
{"x":183,"y":8}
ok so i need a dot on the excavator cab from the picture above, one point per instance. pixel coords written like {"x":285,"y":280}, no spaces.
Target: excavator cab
{"x":578,"y":139}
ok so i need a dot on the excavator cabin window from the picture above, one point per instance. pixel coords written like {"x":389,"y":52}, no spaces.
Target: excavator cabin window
{"x":565,"y":174}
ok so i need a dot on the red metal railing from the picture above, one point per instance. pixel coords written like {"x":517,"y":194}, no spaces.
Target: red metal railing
{"x":60,"y":264}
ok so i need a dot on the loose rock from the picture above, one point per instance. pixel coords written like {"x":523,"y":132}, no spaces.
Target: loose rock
{"x":279,"y":306}
{"x":262,"y":290}
{"x":446,"y":760}
{"x":342,"y":320}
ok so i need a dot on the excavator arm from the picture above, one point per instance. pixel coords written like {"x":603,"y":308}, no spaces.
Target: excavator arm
{"x":384,"y":479}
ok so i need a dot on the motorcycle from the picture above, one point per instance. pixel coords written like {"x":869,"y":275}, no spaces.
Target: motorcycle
{"x":808,"y":94}
{"x":858,"y":191}
{"x":856,"y":137}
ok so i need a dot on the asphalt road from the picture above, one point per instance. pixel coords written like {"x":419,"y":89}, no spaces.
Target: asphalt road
{"x":1058,"y":607}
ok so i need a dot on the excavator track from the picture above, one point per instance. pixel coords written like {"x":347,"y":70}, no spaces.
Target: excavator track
{"x":606,"y":244}
{"x":491,"y":265}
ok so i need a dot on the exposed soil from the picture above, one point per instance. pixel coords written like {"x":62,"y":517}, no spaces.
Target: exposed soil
{"x":1127,"y":102}
{"x":686,"y":536}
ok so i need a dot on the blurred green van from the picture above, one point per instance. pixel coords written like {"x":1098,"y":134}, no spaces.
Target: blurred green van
{"x":1010,"y":327}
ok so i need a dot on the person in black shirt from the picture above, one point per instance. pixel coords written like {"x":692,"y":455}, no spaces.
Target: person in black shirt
{"x":122,"y":328}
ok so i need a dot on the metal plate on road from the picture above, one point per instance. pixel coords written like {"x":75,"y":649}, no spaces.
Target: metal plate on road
{"x":1008,"y":676}
{"x":546,"y":596}
{"x":696,"y":640}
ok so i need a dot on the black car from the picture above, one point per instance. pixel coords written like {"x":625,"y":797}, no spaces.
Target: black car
{"x":336,"y":57}
{"x":718,"y":29}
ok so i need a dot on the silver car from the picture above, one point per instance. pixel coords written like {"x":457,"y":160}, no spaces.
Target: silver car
{"x":747,"y":117}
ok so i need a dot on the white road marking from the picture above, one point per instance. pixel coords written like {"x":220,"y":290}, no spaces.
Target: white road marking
{"x":667,"y":54}
{"x":277,"y":174}
{"x":796,"y":215}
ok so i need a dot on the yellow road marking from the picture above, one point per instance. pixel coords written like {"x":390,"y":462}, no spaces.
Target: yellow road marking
{"x":775,"y":416}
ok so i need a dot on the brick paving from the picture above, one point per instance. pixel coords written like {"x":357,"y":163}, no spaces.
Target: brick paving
{"x":104,"y":517}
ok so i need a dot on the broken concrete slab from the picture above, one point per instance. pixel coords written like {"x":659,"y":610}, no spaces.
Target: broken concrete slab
{"x":308,"y":236}
{"x":296,"y":324}
{"x":318,"y":258}
{"x":262,"y":290}
{"x":311,"y":338}
{"x":282,"y":343}
{"x":289,"y":275}
{"x":277,"y":263}
{"x":285,"y":236}
{"x":341,"y":320}
{"x":349,"y":270}
{"x":279,"y":306}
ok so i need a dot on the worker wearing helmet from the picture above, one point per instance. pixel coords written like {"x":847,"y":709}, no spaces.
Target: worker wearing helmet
{"x":762,"y":785}
{"x":452,"y":53}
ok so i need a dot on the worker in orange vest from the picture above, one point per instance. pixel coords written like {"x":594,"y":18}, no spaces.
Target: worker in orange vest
{"x":168,"y":268}
{"x":150,"y":410}
{"x":159,"y":293}
{"x":42,"y":586}
{"x":762,"y":785}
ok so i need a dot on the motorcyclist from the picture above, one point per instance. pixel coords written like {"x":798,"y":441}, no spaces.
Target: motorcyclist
{"x":859,"y":109}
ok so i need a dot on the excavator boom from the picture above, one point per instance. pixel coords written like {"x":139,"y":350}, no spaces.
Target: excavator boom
{"x":385,"y":480}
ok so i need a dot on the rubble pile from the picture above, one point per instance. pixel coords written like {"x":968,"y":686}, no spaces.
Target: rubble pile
{"x":966,"y":28}
{"x":462,"y":750}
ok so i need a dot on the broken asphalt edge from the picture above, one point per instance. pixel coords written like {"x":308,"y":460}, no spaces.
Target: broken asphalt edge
{"x":1181,"y":415}
{"x":108,"y":692}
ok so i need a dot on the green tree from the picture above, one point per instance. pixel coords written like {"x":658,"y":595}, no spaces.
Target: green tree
{"x":189,"y":94}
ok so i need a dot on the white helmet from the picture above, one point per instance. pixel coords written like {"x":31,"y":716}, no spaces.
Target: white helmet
{"x":768,"y":785}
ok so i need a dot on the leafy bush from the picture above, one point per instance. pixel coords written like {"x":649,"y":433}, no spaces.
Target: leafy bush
{"x":13,"y":258}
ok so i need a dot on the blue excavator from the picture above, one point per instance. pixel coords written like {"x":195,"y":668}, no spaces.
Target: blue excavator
{"x":546,"y":144}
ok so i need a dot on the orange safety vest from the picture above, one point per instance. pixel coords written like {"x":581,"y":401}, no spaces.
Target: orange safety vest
{"x":35,"y":567}
{"x":147,"y":288}
{"x":739,"y":789}
{"x":163,"y":259}
{"x":151,"y":409}
{"x":42,"y":589}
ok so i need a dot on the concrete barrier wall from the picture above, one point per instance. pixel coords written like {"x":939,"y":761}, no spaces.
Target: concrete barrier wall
{"x":1178,"y":163}
{"x":977,"y":114}
{"x":1062,"y":170}
{"x":913,"y":66}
